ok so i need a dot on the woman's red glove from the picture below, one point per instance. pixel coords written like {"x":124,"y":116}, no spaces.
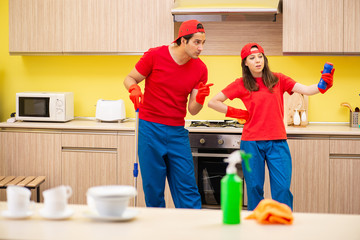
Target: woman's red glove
{"x":328,"y":78}
{"x":237,"y":113}
{"x":203,"y":92}
{"x":135,"y":95}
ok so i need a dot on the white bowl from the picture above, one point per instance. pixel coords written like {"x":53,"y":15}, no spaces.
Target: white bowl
{"x":109,"y":207}
{"x":110,"y":201}
{"x":112,"y":191}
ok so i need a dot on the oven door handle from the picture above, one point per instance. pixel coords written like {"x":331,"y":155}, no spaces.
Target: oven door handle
{"x":214,"y":155}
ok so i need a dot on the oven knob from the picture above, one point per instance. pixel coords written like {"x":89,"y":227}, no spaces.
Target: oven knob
{"x":220,"y":141}
{"x":202,"y":141}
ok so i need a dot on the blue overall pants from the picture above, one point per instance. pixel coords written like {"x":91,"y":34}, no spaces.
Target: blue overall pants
{"x":164,"y":152}
{"x":277,"y":156}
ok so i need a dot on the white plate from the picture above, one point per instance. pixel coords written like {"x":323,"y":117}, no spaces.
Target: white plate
{"x":8,"y":214}
{"x":126,"y":216}
{"x":64,"y":215}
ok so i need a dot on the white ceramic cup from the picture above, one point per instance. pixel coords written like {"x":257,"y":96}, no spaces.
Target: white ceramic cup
{"x":56,"y":199}
{"x":18,"y":200}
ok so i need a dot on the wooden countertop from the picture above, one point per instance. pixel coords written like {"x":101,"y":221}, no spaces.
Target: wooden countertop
{"x":160,"y":223}
{"x":129,"y":125}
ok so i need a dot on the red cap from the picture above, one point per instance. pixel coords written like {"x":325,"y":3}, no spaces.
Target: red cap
{"x":189,"y":27}
{"x":246,"y":50}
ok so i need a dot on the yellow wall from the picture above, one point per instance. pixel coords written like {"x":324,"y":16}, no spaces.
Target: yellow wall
{"x":100,"y":77}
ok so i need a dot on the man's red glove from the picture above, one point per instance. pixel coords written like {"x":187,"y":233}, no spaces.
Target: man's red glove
{"x":135,"y":95}
{"x":328,"y":78}
{"x":237,"y":113}
{"x":203,"y":91}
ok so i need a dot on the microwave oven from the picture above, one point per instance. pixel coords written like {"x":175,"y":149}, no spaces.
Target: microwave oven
{"x":45,"y":106}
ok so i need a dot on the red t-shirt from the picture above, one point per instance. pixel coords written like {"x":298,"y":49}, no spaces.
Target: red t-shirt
{"x":168,"y":85}
{"x":266,"y":109}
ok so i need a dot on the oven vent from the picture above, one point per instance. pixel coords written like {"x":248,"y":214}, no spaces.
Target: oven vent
{"x":226,"y":10}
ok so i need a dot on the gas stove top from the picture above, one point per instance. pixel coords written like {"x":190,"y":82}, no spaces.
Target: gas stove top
{"x":217,"y":124}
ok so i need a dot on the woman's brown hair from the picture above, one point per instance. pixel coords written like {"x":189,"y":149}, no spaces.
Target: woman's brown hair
{"x":269,"y":79}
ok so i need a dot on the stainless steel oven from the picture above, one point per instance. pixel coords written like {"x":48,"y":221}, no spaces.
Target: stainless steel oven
{"x":209,"y":151}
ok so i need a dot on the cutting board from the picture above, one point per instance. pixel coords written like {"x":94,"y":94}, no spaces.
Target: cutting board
{"x":293,"y":102}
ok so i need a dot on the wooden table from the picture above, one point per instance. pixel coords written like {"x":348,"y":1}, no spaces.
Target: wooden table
{"x":173,"y":224}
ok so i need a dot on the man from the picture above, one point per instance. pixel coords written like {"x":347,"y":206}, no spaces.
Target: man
{"x":171,"y":74}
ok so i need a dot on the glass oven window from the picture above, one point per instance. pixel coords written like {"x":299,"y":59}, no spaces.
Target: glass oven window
{"x":34,"y":106}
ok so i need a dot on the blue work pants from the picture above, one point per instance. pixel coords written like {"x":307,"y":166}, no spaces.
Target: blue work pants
{"x":277,"y":156}
{"x":164,"y":152}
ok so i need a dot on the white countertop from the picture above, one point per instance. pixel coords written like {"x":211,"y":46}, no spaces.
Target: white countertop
{"x":182,"y":224}
{"x":129,"y":125}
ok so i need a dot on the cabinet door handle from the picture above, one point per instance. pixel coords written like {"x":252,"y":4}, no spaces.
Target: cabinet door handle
{"x":89,"y":149}
{"x":345,"y":156}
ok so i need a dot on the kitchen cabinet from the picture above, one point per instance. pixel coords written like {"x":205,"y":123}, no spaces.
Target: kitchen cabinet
{"x":91,"y":26}
{"x":314,"y":26}
{"x":88,"y":159}
{"x":144,"y":24}
{"x":310,"y":175}
{"x":88,"y":26}
{"x":351,"y":26}
{"x":31,"y":153}
{"x":345,"y":179}
{"x":36,"y":26}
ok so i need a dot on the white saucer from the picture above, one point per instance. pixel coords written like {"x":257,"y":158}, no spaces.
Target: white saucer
{"x":8,"y":214}
{"x":126,"y":216}
{"x":64,"y":215}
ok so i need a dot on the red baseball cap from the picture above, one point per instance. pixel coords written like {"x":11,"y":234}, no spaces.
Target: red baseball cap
{"x":189,"y":27}
{"x":246,"y":50}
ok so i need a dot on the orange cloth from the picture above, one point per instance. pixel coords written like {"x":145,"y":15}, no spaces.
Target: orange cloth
{"x":269,"y":211}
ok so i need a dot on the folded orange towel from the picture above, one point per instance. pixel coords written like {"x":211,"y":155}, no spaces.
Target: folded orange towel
{"x":269,"y":211}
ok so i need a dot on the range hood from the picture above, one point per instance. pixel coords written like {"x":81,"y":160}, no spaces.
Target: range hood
{"x":225,"y":10}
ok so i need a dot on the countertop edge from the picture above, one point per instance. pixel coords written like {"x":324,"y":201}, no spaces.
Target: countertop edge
{"x":94,"y":125}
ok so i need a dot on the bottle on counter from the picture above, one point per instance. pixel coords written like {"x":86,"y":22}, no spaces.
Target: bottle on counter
{"x":231,"y":188}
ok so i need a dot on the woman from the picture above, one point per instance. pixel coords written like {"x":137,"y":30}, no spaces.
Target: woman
{"x":264,"y":134}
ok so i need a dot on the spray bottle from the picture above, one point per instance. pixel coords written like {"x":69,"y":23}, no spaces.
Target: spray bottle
{"x":231,"y":188}
{"x":322,"y":84}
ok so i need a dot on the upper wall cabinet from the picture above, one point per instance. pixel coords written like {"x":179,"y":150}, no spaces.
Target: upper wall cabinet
{"x":351,"y":26}
{"x":321,"y":26}
{"x":36,"y":26}
{"x":89,"y":26}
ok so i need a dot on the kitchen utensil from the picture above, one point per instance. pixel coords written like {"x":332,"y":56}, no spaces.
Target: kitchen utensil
{"x":110,"y":201}
{"x":110,"y":110}
{"x":346,"y":104}
{"x":18,"y":200}
{"x":296,"y":118}
{"x":303,"y":116}
{"x":56,"y":199}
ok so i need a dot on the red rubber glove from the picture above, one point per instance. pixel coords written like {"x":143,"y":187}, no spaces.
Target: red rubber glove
{"x":328,"y":78}
{"x":237,"y":113}
{"x":203,"y":92}
{"x":135,"y":95}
